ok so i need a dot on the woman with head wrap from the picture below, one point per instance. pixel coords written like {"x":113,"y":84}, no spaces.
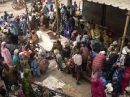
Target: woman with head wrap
{"x":35,"y":66}
{"x":126,"y":74}
{"x":16,"y":59}
{"x":6,"y":54}
{"x":24,"y":63}
{"x":98,"y":62}
{"x":117,"y":80}
{"x":97,"y":88}
{"x":9,"y":77}
{"x":34,"y":37}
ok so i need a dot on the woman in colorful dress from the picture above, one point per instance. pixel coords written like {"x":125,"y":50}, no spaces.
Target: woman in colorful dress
{"x":5,"y":53}
{"x":97,"y":87}
{"x":16,"y":59}
{"x":126,"y":74}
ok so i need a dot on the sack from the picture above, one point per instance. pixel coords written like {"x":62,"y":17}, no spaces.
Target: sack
{"x":127,"y":89}
{"x":43,"y":65}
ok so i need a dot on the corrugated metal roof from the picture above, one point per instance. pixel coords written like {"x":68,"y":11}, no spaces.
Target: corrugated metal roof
{"x":122,"y":4}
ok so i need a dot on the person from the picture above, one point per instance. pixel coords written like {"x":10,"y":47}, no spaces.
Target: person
{"x":33,"y":21}
{"x":108,"y":65}
{"x":68,"y":29}
{"x":26,"y":85}
{"x":116,"y":80}
{"x":24,"y":25}
{"x":97,"y":88}
{"x":5,"y":53}
{"x":5,"y":15}
{"x":21,"y":57}
{"x":74,"y":35}
{"x":98,"y":61}
{"x":113,"y":48}
{"x":3,"y":91}
{"x":25,"y":64}
{"x":35,"y":67}
{"x":85,"y":53}
{"x":51,"y":15}
{"x":77,"y":58}
{"x":34,"y":37}
{"x":1,"y":66}
{"x":66,"y":51}
{"x":72,"y":21}
{"x":16,"y":59}
{"x":59,"y":59}
{"x":57,"y":45}
{"x":13,"y":31}
{"x":85,"y":40}
{"x":127,"y":91}
{"x":9,"y":77}
{"x":75,"y":6}
{"x":126,"y":74}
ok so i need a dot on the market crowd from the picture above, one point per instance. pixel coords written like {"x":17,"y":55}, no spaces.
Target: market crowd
{"x":91,"y":50}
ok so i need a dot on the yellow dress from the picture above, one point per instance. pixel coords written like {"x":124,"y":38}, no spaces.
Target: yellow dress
{"x":95,"y":33}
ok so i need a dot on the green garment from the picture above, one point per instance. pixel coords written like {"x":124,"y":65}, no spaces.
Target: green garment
{"x":5,"y":17}
{"x":27,"y":88}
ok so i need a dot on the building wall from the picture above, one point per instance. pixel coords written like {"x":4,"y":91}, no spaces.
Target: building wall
{"x":115,"y":17}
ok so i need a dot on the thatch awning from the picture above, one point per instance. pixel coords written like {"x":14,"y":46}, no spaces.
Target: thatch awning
{"x":122,"y":4}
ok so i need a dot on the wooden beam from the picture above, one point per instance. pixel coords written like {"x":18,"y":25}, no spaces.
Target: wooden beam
{"x":125,"y":31}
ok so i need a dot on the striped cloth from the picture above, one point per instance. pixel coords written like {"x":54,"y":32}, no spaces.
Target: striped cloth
{"x":98,"y":62}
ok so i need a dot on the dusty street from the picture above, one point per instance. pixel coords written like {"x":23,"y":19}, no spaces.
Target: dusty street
{"x":70,"y":86}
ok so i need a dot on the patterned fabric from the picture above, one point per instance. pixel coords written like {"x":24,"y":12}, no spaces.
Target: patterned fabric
{"x":35,"y":68}
{"x":85,"y":54}
{"x":6,"y":55}
{"x":117,"y":79}
{"x":98,"y":62}
{"x":97,"y":88}
{"x":126,"y":79}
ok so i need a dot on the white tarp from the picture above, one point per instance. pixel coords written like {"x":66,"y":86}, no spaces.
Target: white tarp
{"x":122,"y":4}
{"x":53,"y":83}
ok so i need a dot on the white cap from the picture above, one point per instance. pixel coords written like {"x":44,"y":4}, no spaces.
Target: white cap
{"x":3,"y":43}
{"x":74,"y":43}
{"x":102,"y":52}
{"x":56,"y":51}
{"x":109,"y":88}
{"x":21,"y":53}
{"x":114,"y":43}
{"x":16,"y":51}
{"x":125,"y":50}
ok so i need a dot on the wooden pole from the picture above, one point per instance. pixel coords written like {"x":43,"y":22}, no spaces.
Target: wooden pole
{"x":57,"y":18}
{"x":125,"y":31}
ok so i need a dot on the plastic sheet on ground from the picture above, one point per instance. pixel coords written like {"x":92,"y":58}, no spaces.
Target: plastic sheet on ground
{"x":53,"y":83}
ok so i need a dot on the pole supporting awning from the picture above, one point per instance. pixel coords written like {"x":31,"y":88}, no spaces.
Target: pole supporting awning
{"x":125,"y":31}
